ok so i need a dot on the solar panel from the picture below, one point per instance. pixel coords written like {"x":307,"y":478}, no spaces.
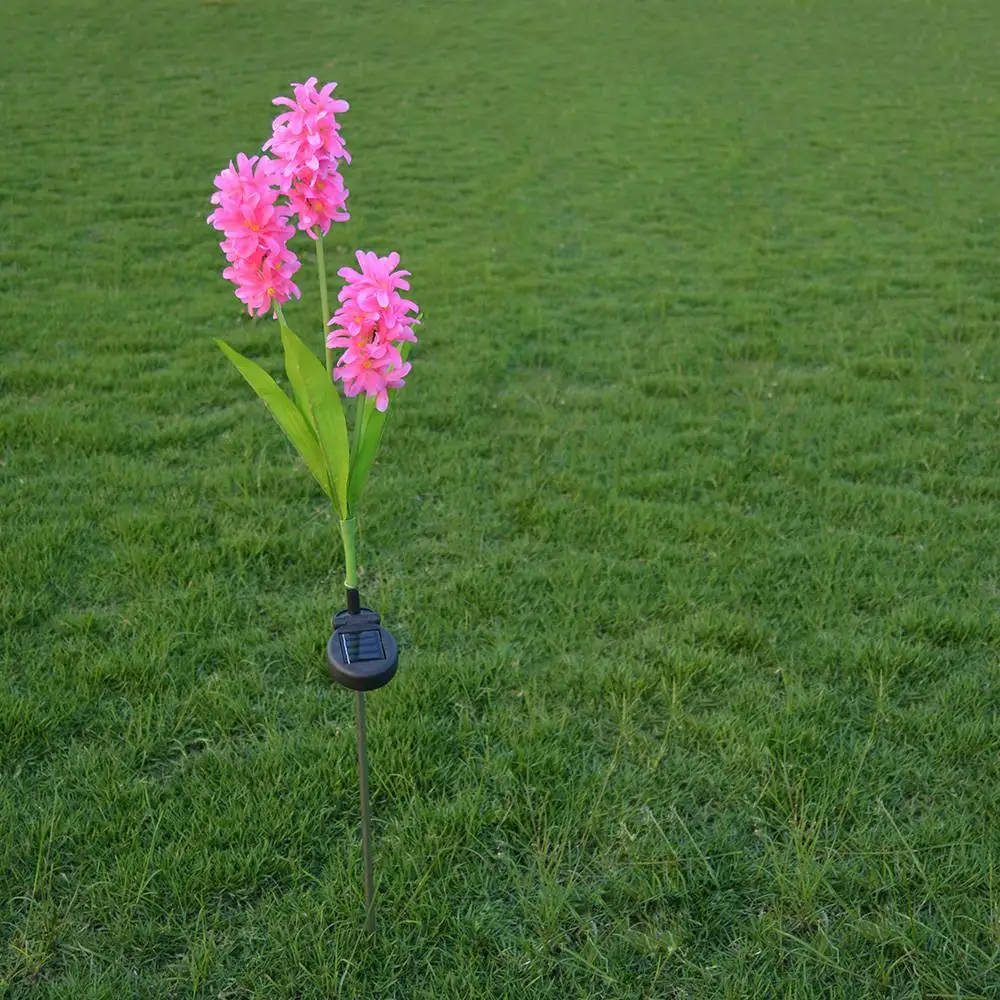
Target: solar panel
{"x":362,"y":647}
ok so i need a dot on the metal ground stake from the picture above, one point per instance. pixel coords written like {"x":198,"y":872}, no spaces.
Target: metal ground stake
{"x":362,"y":655}
{"x":366,"y":819}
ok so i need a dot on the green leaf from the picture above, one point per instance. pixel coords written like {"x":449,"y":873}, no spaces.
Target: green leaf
{"x":362,"y":411}
{"x":365,"y":456}
{"x":368,"y":440}
{"x":323,"y":409}
{"x":284,"y":411}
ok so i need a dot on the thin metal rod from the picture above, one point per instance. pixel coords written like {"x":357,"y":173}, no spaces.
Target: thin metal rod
{"x":366,"y":819}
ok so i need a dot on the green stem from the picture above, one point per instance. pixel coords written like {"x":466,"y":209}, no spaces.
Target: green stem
{"x":349,"y":533}
{"x":324,"y":301}
{"x":281,"y":315}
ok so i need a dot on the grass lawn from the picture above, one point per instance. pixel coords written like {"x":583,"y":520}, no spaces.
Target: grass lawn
{"x":687,"y":519}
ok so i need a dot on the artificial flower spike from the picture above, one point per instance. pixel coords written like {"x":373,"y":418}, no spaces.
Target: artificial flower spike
{"x":261,"y":202}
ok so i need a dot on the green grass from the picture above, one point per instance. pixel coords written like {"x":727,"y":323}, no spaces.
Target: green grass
{"x":687,"y":520}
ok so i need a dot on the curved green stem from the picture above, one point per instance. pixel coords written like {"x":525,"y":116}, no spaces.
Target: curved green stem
{"x":324,"y":301}
{"x":349,"y":533}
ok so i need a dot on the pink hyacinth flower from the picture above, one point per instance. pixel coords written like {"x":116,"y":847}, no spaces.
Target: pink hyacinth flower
{"x":371,"y":319}
{"x":257,"y":231}
{"x":318,"y":201}
{"x":246,"y":198}
{"x":264,"y":279}
{"x":308,"y":131}
{"x":368,"y":376}
{"x":376,"y":281}
{"x":307,"y":143}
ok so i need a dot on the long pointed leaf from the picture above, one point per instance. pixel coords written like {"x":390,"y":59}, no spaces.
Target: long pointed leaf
{"x":362,"y":411}
{"x":367,"y":443}
{"x":324,"y":411}
{"x":298,"y":386}
{"x":285,"y":412}
{"x":365,"y":457}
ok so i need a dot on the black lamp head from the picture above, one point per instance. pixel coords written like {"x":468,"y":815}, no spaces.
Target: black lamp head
{"x":362,"y":653}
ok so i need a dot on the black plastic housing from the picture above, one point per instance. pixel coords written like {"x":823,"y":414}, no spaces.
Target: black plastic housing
{"x":362,"y":652}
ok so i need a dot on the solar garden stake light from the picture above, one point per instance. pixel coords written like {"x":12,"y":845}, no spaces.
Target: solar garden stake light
{"x":260,"y":203}
{"x":362,"y":655}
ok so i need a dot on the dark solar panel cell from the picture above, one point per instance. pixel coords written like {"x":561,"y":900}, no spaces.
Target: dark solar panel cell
{"x":363,"y":647}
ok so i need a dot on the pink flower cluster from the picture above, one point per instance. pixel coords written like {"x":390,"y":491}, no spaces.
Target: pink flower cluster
{"x":309,"y":149}
{"x":371,"y":321}
{"x":256,"y":200}
{"x":256,"y":231}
